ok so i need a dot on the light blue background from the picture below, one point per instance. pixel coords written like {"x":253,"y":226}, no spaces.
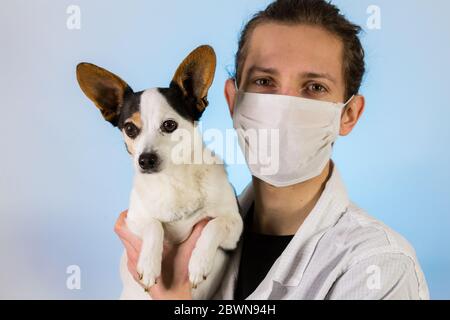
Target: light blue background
{"x":64,"y":173}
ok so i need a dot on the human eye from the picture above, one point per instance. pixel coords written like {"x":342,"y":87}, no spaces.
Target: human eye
{"x":316,"y":89}
{"x":263,"y":82}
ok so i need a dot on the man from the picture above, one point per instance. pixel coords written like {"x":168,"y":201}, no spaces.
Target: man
{"x":298,"y":62}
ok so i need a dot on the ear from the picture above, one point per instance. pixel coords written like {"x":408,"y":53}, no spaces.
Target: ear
{"x":230,"y":94}
{"x":351,"y":114}
{"x":104,"y":88}
{"x":195,"y":75}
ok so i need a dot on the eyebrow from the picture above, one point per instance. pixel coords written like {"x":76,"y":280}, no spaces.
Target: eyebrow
{"x":317,"y":75}
{"x":304,"y":75}
{"x":254,"y":69}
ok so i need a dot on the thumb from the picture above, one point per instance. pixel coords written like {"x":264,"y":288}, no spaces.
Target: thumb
{"x":190,"y":242}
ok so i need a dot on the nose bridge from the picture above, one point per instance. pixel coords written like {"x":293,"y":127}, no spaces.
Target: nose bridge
{"x":289,"y":85}
{"x":150,"y":127}
{"x":147,"y":139}
{"x":290,"y":91}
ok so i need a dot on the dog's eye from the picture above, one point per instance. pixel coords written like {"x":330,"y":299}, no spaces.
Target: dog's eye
{"x":131,"y":130}
{"x":169,"y":126}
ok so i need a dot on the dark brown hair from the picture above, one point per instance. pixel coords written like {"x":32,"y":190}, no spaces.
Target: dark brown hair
{"x":317,"y":13}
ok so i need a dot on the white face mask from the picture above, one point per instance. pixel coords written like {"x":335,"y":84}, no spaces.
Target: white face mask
{"x":286,"y":140}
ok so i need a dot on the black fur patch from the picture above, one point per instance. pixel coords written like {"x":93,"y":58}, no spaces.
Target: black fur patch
{"x":131,"y":105}
{"x":186,"y":106}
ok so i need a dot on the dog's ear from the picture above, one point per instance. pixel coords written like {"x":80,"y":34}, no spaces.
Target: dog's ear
{"x":104,"y":88}
{"x":195,"y":75}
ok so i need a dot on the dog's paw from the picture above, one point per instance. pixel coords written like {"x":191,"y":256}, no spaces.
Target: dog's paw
{"x":200,"y":266}
{"x":149,"y":269}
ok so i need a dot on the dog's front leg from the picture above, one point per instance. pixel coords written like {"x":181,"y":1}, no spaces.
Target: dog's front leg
{"x":149,"y":263}
{"x":223,"y":231}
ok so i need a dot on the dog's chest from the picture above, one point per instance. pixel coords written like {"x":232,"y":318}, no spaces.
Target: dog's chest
{"x":177,"y":206}
{"x":178,"y":231}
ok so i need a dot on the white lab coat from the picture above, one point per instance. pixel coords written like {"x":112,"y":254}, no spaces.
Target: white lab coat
{"x":339,"y":252}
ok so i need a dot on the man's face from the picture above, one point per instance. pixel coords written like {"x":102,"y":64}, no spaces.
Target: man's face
{"x":296,"y":60}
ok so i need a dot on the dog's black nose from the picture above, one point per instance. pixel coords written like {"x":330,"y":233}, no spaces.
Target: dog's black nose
{"x":148,"y":161}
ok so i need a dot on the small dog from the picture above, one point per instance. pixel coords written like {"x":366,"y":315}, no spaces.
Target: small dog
{"x":170,"y":196}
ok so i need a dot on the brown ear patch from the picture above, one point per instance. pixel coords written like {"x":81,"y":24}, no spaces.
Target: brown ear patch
{"x":104,"y":88}
{"x":195,"y":75}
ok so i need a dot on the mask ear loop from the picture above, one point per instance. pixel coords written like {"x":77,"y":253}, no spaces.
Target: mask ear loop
{"x":235,"y":84}
{"x":237,"y":91}
{"x":348,"y":101}
{"x":345,"y":106}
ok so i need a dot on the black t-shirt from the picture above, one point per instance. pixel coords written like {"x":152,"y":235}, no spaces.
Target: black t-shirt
{"x":259,"y":253}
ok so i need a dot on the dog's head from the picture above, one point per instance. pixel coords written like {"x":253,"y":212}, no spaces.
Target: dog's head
{"x":147,"y":119}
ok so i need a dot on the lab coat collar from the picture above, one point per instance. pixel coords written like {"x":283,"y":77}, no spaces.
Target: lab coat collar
{"x":290,"y":266}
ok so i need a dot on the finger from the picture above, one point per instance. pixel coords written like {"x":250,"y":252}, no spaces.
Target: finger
{"x":168,"y":249}
{"x":157,"y":291}
{"x":189,"y":244}
{"x":132,"y":269}
{"x":198,"y":228}
{"x":132,"y":253}
{"x":128,"y":237}
{"x":121,"y":220}
{"x":124,"y":233}
{"x":120,"y":227}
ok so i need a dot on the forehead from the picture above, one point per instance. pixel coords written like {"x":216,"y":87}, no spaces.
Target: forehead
{"x":144,"y":106}
{"x":153,"y":105}
{"x":295,"y":48}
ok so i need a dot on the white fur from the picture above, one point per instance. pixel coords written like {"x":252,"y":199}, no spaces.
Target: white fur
{"x":167,"y":204}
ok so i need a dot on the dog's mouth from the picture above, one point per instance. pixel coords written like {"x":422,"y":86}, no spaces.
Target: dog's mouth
{"x":149,"y":171}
